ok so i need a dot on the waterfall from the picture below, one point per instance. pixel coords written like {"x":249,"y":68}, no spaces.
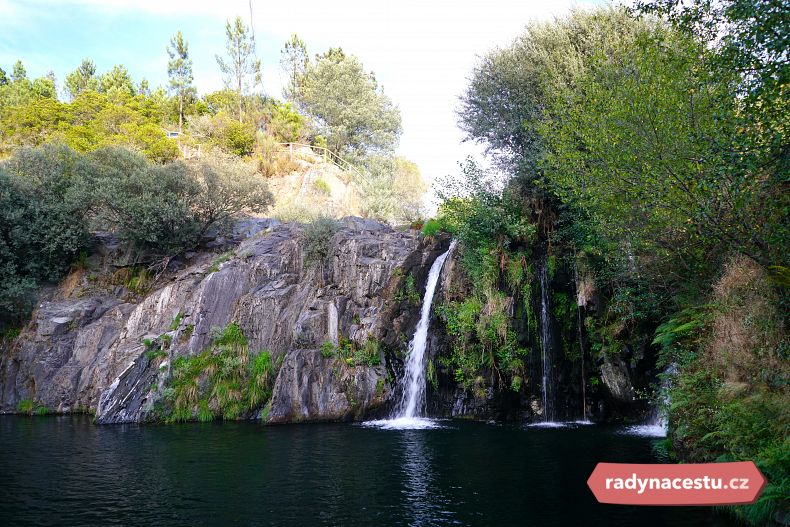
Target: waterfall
{"x":546,"y":346}
{"x":581,"y":344}
{"x":412,"y":403}
{"x":657,"y":423}
{"x":413,"y":382}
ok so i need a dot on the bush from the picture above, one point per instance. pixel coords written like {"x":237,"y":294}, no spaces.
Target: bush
{"x":149,"y":205}
{"x":224,"y":380}
{"x":271,"y":158}
{"x":43,"y":222}
{"x":238,"y":138}
{"x":322,"y":186}
{"x":227,"y":186}
{"x":286,"y":124}
{"x":327,"y":350}
{"x":432,"y":227}
{"x":316,"y":239}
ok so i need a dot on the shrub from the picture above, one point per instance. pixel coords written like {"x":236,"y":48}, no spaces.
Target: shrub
{"x":327,"y":349}
{"x":222,"y":381}
{"x":219,"y":260}
{"x":299,"y":212}
{"x":227,"y":186}
{"x":43,"y":222}
{"x":176,"y":321}
{"x":286,"y":124}
{"x":148,"y":204}
{"x":316,"y":239}
{"x":432,"y":227}
{"x":322,"y":186}
{"x":238,"y":138}
{"x":272,"y":160}
{"x":408,"y":292}
{"x":25,"y":406}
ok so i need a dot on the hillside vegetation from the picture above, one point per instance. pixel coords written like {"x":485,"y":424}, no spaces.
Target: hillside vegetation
{"x":646,"y":161}
{"x":161,"y":167}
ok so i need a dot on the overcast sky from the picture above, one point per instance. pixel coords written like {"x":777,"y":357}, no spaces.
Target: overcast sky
{"x":421,"y":51}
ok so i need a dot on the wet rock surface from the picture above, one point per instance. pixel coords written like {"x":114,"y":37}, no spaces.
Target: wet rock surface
{"x":86,"y":352}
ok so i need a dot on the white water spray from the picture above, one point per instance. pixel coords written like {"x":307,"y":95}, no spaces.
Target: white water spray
{"x":546,"y":347}
{"x":412,"y":404}
{"x":657,"y":425}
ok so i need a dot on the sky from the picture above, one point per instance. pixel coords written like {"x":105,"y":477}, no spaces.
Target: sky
{"x":422,"y":52}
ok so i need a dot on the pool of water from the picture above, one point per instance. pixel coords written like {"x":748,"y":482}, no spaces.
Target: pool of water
{"x":67,"y":471}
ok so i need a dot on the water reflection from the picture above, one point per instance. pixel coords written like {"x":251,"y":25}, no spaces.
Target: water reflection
{"x":426,"y":503}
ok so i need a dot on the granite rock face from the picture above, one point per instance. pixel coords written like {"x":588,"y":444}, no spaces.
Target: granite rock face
{"x":85,"y":351}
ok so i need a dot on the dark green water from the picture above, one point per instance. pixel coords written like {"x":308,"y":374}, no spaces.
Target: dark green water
{"x":66,"y":471}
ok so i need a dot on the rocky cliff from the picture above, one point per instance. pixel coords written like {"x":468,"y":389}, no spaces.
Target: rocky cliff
{"x":111,"y":348}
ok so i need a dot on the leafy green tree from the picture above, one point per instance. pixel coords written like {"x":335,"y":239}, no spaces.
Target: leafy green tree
{"x":241,"y":69}
{"x":179,"y":68}
{"x":349,"y":108}
{"x":45,"y":86}
{"x":148,"y":204}
{"x":294,"y":61}
{"x":228,"y":186}
{"x":81,"y":79}
{"x":117,"y":84}
{"x":3,"y":77}
{"x":43,"y":222}
{"x":510,"y":88}
{"x":392,"y":189}
{"x":286,"y":124}
{"x":18,"y":73}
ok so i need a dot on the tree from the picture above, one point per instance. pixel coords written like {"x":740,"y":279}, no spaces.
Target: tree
{"x":294,"y":61}
{"x":18,"y":73}
{"x":81,"y":79}
{"x":45,"y":86}
{"x":179,"y":68}
{"x":228,"y":186}
{"x":117,"y":84}
{"x":241,"y":70}
{"x":392,"y":189}
{"x":349,"y":108}
{"x":3,"y":77}
{"x":43,"y":224}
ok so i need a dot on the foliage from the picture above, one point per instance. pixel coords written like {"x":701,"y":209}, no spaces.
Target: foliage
{"x":241,"y":69}
{"x":179,"y":69}
{"x":391,"y":189}
{"x":322,"y":186}
{"x":219,"y":260}
{"x":82,"y":79}
{"x":174,"y":325}
{"x":348,"y":107}
{"x":148,"y":204}
{"x":294,"y":62}
{"x":408,"y":292}
{"x":43,"y":224}
{"x":225,"y":381}
{"x":369,"y":354}
{"x":729,"y":396}
{"x":316,"y":239}
{"x":227,"y":187}
{"x":286,"y":124}
{"x":481,"y":338}
{"x":93,"y":118}
{"x":327,"y":349}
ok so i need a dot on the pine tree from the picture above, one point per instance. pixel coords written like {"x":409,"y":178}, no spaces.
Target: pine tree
{"x":179,"y":68}
{"x":241,"y":69}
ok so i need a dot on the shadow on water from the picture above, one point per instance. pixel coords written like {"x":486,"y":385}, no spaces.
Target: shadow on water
{"x":66,"y":471}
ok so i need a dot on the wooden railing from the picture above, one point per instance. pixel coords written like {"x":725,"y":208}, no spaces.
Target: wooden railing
{"x":327,"y":155}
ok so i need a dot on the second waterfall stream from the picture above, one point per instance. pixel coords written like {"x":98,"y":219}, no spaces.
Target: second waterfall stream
{"x":409,"y":412}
